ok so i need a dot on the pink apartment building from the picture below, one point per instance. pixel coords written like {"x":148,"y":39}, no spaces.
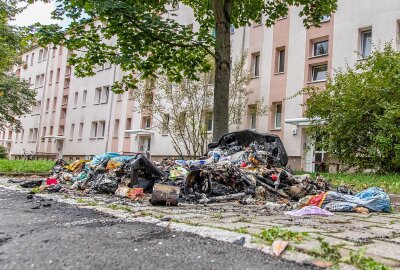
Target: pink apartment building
{"x":76,"y":117}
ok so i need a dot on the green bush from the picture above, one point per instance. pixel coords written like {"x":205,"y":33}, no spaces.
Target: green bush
{"x":3,"y":152}
{"x":26,"y":166}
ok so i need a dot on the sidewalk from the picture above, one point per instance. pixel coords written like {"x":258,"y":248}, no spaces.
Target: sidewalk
{"x":379,"y":233}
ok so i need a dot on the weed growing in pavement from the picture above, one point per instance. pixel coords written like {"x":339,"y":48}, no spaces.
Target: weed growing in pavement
{"x":80,"y":200}
{"x":242,"y":230}
{"x":359,"y":260}
{"x":35,"y":190}
{"x":90,"y":203}
{"x":277,"y":233}
{"x":328,"y":252}
{"x":119,"y":207}
{"x":218,"y":215}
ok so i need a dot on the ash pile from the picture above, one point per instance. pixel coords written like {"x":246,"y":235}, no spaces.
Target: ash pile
{"x":244,"y":166}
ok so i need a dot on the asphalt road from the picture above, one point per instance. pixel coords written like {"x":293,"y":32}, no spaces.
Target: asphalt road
{"x":61,"y":236}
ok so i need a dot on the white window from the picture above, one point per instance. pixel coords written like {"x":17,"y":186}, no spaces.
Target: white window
{"x":102,"y":129}
{"x":116,"y":128}
{"x":63,"y":113}
{"x":256,"y":64}
{"x":27,"y":59}
{"x":33,"y":56}
{"x":47,"y":105}
{"x":128,"y":126}
{"x":40,"y":56}
{"x":105,"y":92}
{"x":41,"y":80}
{"x":80,"y":131}
{"x":278,"y":116}
{"x":97,"y":95}
{"x":58,"y":75}
{"x":54,"y":104}
{"x":51,"y":77}
{"x":84,"y":98}
{"x":366,"y":43}
{"x":71,"y":132}
{"x":93,"y":131}
{"x":320,"y":48}
{"x":325,"y":18}
{"x":76,"y":99}
{"x":44,"y":132}
{"x":44,"y":56}
{"x":61,"y":130}
{"x":37,"y":81}
{"x":280,"y":60}
{"x":22,"y":135}
{"x":147,"y":122}
{"x":252,"y":109}
{"x":66,"y":83}
{"x":319,"y":73}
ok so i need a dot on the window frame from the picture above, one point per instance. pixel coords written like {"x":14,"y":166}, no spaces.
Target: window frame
{"x":278,"y":105}
{"x":318,"y":66}
{"x":314,"y":48}
{"x":362,"y":45}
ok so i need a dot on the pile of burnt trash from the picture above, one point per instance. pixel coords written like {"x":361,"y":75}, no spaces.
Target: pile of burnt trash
{"x":244,"y":166}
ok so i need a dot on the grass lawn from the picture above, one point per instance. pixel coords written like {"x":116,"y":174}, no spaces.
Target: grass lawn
{"x":358,"y":181}
{"x":25,"y":166}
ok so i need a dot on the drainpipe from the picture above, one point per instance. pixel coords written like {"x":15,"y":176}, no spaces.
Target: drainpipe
{"x":42,"y":101}
{"x":111,"y":108}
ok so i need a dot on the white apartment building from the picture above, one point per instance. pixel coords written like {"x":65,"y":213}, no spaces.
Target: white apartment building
{"x":76,"y":117}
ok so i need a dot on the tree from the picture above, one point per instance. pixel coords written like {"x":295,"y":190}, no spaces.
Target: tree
{"x":3,"y":152}
{"x":360,"y":112}
{"x":16,"y":98}
{"x":184,"y":110}
{"x":151,"y":43}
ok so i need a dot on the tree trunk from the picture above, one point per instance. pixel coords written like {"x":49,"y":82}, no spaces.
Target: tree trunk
{"x":222,"y":13}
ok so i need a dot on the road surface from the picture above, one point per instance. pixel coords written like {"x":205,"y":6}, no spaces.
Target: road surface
{"x":61,"y":236}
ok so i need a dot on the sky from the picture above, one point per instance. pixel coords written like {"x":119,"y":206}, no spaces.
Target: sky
{"x":37,"y":12}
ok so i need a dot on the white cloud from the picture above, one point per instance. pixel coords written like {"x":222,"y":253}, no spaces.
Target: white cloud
{"x":37,"y":12}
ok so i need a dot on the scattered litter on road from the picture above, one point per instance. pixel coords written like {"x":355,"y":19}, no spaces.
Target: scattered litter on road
{"x":309,"y":210}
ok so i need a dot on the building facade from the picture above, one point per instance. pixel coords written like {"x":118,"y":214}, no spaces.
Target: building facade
{"x":76,"y":117}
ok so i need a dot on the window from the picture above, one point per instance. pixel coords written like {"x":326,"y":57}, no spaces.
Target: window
{"x":37,"y":81}
{"x":256,"y":64}
{"x":53,"y":54}
{"x":84,"y":98}
{"x":116,"y":128}
{"x":30,"y":81}
{"x":71,"y":132}
{"x":66,"y":83}
{"x":97,"y":95}
{"x":76,"y":100}
{"x":61,"y":130}
{"x":40,"y":56}
{"x":51,"y":130}
{"x":44,"y":132}
{"x":232,"y":29}
{"x":33,"y":56}
{"x":22,"y":135}
{"x":51,"y":77}
{"x":325,"y":18}
{"x":102,"y":129}
{"x":47,"y":105}
{"x":119,"y":97}
{"x":80,"y":131}
{"x":320,"y":48}
{"x":64,"y":100}
{"x":128,"y":126}
{"x":209,"y":121}
{"x":366,"y":43}
{"x":93,"y":131}
{"x":253,"y":117}
{"x":280,"y":60}
{"x":104,"y":94}
{"x":54,"y":104}
{"x":319,"y":73}
{"x":63,"y":113}
{"x":165,"y":124}
{"x":147,"y":122}
{"x":27,"y":59}
{"x":149,"y":99}
{"x":60,"y":51}
{"x":67,"y":70}
{"x":278,"y":116}
{"x":58,"y":75}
